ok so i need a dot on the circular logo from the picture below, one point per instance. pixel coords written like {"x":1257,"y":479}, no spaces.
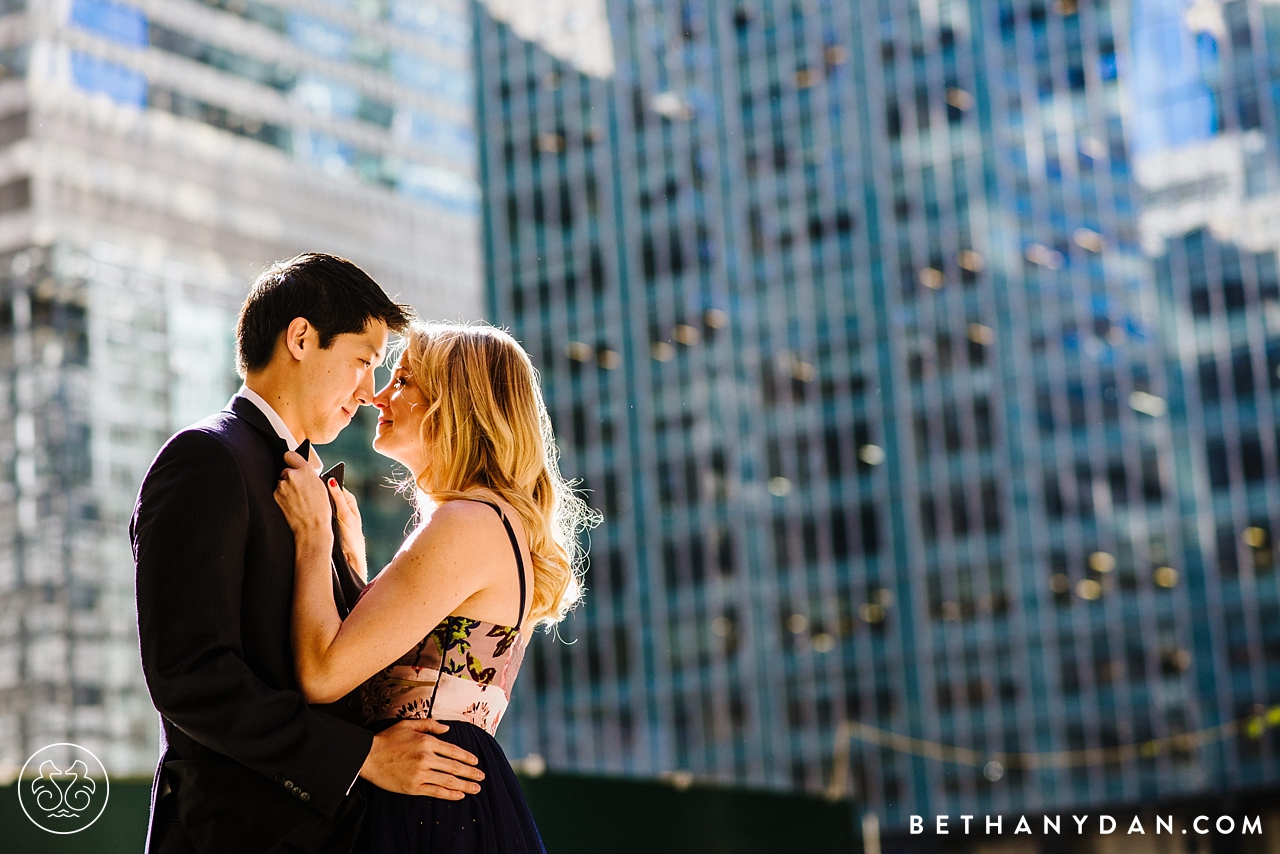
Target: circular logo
{"x":63,"y":788}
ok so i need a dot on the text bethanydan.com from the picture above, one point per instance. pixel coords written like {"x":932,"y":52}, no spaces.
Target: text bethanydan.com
{"x":994,"y":825}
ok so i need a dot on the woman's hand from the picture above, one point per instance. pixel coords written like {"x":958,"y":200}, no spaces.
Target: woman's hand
{"x":349,"y":526}
{"x":302,"y":497}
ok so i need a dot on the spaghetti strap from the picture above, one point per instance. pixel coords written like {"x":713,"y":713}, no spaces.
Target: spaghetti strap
{"x":515,"y":547}
{"x":482,"y":660}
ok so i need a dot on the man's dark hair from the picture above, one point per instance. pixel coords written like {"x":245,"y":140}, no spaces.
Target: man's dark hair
{"x":334,"y":295}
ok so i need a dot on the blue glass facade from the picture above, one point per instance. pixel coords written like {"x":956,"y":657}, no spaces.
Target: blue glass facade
{"x":865,"y":325}
{"x":1218,"y":288}
{"x":384,"y":89}
{"x":1172,"y":69}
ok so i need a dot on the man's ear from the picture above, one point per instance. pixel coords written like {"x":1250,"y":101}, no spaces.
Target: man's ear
{"x":295,"y":337}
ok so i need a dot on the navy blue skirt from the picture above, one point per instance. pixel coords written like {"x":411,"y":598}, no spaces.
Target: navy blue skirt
{"x":495,"y":821}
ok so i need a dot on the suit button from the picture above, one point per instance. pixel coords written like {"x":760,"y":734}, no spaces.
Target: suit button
{"x":279,"y":779}
{"x":306,"y":796}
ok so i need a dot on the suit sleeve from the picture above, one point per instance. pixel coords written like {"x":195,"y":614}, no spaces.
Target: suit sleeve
{"x":189,"y":536}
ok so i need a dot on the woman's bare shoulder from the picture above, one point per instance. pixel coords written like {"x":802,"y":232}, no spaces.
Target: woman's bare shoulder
{"x":462,"y":512}
{"x":468,"y":524}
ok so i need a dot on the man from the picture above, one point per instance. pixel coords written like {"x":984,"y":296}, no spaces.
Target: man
{"x":246,"y":765}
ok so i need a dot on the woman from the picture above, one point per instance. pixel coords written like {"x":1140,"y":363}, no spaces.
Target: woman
{"x":442,"y":631}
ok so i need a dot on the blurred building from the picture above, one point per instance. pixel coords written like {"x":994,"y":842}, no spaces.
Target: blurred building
{"x":1205,"y":159}
{"x":877,"y":331}
{"x":154,"y":157}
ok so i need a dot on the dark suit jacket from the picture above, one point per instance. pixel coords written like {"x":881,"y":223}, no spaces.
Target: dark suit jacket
{"x":249,"y":763}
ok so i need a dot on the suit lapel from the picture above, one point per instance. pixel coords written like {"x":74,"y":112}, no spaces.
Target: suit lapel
{"x":346,"y":584}
{"x":246,"y":410}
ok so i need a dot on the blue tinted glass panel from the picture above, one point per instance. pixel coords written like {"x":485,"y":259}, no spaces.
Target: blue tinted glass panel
{"x":1107,"y":67}
{"x":123,"y":24}
{"x":451,"y":84}
{"x":327,"y":97}
{"x":1171,"y":69}
{"x":439,"y":25}
{"x":97,"y":75}
{"x":449,"y":139}
{"x":319,"y":36}
{"x":441,"y":187}
{"x":330,"y":154}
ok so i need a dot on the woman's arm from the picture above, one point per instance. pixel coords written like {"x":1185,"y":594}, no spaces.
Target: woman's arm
{"x":446,"y":560}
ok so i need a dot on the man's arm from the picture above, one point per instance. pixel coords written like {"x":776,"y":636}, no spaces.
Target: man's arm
{"x":189,"y":536}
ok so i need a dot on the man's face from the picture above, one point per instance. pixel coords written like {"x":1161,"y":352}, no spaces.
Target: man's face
{"x":338,"y":380}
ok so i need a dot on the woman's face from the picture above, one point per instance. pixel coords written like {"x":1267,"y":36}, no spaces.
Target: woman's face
{"x":401,"y":408}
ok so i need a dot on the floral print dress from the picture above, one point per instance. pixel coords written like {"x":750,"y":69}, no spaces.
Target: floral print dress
{"x":462,"y":671}
{"x":467,"y":666}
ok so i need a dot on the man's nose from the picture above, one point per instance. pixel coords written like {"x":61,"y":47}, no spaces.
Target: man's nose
{"x":365,"y":392}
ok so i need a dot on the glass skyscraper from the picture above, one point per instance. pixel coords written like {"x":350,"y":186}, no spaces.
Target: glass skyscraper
{"x":1208,"y":172}
{"x":920,"y":355}
{"x":155,"y":156}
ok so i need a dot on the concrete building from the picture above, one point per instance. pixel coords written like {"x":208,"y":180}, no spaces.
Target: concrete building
{"x":154,"y":157}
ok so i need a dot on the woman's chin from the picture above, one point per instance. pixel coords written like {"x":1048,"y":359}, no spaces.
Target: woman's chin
{"x":380,"y":445}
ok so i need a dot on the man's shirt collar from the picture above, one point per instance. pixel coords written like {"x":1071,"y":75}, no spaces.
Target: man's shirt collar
{"x":277,"y":423}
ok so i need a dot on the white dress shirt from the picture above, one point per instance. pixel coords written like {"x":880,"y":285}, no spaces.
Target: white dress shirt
{"x":282,"y":429}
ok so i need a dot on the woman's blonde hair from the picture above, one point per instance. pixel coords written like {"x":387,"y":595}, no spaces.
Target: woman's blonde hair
{"x":486,"y":426}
